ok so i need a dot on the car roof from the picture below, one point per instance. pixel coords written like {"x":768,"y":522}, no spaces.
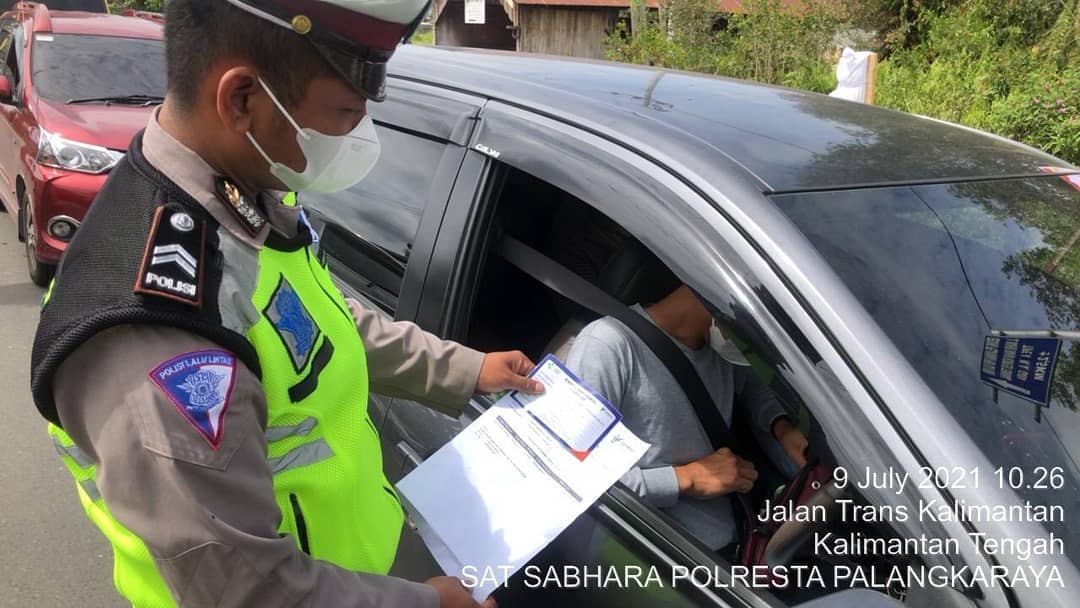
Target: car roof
{"x":101,"y":24}
{"x":788,"y":140}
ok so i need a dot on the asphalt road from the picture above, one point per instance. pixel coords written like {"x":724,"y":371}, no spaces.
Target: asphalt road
{"x":50,"y":553}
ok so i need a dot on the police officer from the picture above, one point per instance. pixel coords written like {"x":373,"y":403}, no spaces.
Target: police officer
{"x":205,"y":381}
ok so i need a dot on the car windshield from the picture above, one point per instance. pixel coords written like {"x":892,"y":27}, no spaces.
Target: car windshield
{"x":74,"y":66}
{"x":969,"y":280}
{"x":93,"y":6}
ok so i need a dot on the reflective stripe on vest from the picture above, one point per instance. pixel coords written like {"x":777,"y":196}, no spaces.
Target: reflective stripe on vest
{"x":306,"y":454}
{"x":72,"y":451}
{"x":90,"y":487}
{"x":277,"y":433}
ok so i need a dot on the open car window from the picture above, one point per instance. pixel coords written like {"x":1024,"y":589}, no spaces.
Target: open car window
{"x":583,"y":240}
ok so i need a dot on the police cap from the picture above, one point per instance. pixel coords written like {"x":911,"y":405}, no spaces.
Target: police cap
{"x":357,"y":37}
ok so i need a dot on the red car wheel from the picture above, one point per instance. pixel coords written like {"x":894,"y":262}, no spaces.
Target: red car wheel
{"x":40,"y":272}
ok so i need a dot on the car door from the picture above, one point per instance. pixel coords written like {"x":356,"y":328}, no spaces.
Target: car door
{"x":377,"y":237}
{"x":372,"y":235}
{"x":618,"y":532}
{"x":687,"y":232}
{"x":10,"y":52}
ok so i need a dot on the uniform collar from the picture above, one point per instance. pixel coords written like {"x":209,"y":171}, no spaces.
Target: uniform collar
{"x":196,"y":177}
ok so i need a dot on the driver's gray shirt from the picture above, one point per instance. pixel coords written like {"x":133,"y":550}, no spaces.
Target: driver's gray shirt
{"x":612,"y":359}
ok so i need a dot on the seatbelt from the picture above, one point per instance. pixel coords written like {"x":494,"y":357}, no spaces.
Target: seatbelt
{"x":571,"y":286}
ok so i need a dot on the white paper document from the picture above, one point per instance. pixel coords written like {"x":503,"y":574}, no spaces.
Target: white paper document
{"x":580,"y":427}
{"x":515,"y":478}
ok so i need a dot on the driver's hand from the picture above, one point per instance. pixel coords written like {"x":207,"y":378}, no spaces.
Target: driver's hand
{"x":453,"y":594}
{"x":791,"y":440}
{"x":719,"y":473}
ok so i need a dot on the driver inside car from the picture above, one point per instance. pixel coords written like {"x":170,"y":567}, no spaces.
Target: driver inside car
{"x":682,"y":473}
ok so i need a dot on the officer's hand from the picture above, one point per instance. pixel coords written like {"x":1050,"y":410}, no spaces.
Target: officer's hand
{"x":507,"y":370}
{"x":792,"y":440}
{"x":453,"y":594}
{"x":719,"y":473}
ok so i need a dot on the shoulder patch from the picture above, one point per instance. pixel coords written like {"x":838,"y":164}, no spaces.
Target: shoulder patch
{"x":172,"y":264}
{"x":199,"y":384}
{"x":241,"y":205}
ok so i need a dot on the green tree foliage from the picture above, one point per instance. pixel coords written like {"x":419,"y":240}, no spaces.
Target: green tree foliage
{"x":1011,"y":67}
{"x":141,"y":5}
{"x":769,"y":43}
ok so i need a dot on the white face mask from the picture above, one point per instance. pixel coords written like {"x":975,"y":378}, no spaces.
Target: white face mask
{"x":724,"y":347}
{"x":334,"y":162}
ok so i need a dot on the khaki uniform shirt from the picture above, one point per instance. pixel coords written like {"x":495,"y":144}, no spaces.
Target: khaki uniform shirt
{"x":209,"y":516}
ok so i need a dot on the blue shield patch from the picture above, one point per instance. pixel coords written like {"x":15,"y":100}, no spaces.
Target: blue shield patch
{"x":293,"y":324}
{"x":200,"y":385}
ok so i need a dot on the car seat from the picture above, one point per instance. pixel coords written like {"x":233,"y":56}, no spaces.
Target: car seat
{"x":633,"y":275}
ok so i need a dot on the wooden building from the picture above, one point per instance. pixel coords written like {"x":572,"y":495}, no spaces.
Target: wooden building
{"x":553,"y":27}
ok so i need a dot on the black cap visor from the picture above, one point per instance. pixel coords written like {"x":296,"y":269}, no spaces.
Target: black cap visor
{"x":366,"y":75}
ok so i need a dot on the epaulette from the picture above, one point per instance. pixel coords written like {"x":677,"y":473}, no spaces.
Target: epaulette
{"x":172,"y":264}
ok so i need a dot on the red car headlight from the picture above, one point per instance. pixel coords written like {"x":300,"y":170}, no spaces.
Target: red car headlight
{"x":56,"y":151}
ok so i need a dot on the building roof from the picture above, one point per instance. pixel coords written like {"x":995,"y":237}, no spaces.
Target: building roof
{"x":725,"y":6}
{"x":588,"y":3}
{"x":785,"y":139}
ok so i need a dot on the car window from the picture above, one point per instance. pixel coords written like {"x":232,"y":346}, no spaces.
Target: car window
{"x":593,"y":246}
{"x":11,"y":65}
{"x":7,"y":29}
{"x":385,"y":207}
{"x":990,"y":273}
{"x":9,"y":52}
{"x":75,"y":66}
{"x":93,"y":6}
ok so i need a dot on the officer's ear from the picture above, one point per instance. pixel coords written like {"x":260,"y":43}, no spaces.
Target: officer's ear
{"x":235,"y":91}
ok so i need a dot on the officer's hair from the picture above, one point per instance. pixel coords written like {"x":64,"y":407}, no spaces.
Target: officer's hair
{"x":198,"y":33}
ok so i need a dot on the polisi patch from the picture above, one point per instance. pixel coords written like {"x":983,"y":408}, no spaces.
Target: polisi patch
{"x":199,"y":384}
{"x":172,"y":261}
{"x":293,"y":323}
{"x":171,"y":285}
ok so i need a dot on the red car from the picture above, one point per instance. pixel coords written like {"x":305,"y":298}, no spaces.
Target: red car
{"x":75,"y":87}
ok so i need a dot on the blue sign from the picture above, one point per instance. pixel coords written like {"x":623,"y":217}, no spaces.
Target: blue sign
{"x":1021,"y":366}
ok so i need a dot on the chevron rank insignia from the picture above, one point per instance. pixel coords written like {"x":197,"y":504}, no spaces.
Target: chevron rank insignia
{"x":199,"y":384}
{"x":172,"y":265}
